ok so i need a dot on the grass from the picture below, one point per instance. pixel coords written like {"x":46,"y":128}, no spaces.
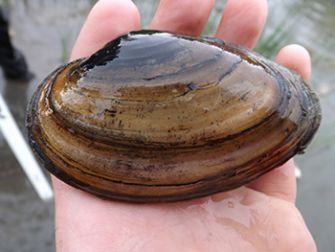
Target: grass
{"x":65,"y":51}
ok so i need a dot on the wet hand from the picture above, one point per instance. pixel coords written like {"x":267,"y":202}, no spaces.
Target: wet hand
{"x":259,"y":217}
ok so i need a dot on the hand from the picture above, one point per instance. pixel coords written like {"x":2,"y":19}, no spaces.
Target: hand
{"x":259,"y":217}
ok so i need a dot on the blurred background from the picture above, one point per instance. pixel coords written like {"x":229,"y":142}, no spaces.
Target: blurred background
{"x":45,"y":32}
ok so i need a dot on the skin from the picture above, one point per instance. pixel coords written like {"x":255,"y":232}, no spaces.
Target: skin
{"x":261,"y":216}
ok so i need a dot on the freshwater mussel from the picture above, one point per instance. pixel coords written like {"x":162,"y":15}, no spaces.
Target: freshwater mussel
{"x":155,"y":116}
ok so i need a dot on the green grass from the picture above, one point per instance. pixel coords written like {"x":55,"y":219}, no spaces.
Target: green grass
{"x":65,"y":51}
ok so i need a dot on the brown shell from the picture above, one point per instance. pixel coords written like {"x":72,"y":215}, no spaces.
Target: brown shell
{"x":155,"y":116}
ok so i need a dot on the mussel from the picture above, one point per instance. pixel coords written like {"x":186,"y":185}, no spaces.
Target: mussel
{"x":155,"y":116}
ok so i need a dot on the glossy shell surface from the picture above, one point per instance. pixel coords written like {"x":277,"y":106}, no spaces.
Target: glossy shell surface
{"x":155,"y":116}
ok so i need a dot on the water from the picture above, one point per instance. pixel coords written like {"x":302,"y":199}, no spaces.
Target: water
{"x":46,"y":30}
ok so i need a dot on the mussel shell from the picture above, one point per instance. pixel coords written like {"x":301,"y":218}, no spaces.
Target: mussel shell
{"x":155,"y":116}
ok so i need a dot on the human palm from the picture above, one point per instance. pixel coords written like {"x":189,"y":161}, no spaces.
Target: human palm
{"x":258,"y":217}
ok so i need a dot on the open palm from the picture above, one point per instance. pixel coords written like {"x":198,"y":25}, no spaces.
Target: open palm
{"x":258,"y":217}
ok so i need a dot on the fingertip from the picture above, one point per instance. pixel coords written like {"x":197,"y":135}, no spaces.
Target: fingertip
{"x":243,"y":21}
{"x":185,"y":17}
{"x":107,"y":20}
{"x":103,"y":9}
{"x":297,"y":58}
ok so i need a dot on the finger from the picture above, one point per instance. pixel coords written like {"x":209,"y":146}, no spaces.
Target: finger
{"x":107,"y":20}
{"x":186,"y":17}
{"x":243,"y":21}
{"x":296,"y":58}
{"x":281,"y":182}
